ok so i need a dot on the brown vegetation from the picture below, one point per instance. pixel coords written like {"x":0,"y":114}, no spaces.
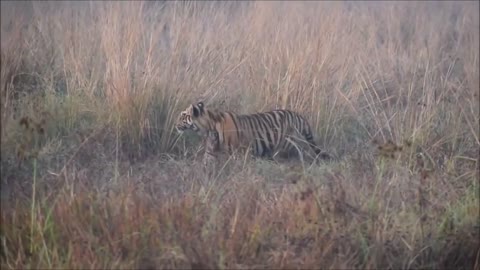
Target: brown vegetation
{"x":93,"y":174}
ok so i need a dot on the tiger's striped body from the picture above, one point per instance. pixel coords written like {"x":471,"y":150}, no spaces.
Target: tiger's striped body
{"x":265,"y":134}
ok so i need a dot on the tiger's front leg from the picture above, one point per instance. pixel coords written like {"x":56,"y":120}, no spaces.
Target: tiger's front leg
{"x":211,"y":147}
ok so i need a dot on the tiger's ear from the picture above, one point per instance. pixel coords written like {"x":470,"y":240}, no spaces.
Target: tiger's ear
{"x":198,"y":110}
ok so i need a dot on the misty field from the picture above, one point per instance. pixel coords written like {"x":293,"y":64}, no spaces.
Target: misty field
{"x":94,"y":175}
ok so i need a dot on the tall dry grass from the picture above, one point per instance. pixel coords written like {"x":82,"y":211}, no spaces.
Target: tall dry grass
{"x":94,"y":176}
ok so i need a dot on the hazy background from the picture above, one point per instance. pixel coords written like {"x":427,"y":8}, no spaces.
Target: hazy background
{"x":92,"y":167}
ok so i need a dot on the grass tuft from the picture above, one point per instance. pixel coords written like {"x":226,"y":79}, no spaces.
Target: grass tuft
{"x":93,"y":174}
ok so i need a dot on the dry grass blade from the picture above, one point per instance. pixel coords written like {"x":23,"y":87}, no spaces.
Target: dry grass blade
{"x":93,"y":174}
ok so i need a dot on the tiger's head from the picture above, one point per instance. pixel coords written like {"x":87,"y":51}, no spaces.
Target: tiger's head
{"x":195,"y":117}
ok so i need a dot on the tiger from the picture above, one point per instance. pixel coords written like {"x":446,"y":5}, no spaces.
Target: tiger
{"x":265,"y":134}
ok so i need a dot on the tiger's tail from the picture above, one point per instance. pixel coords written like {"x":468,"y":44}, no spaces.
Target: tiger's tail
{"x":306,"y":131}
